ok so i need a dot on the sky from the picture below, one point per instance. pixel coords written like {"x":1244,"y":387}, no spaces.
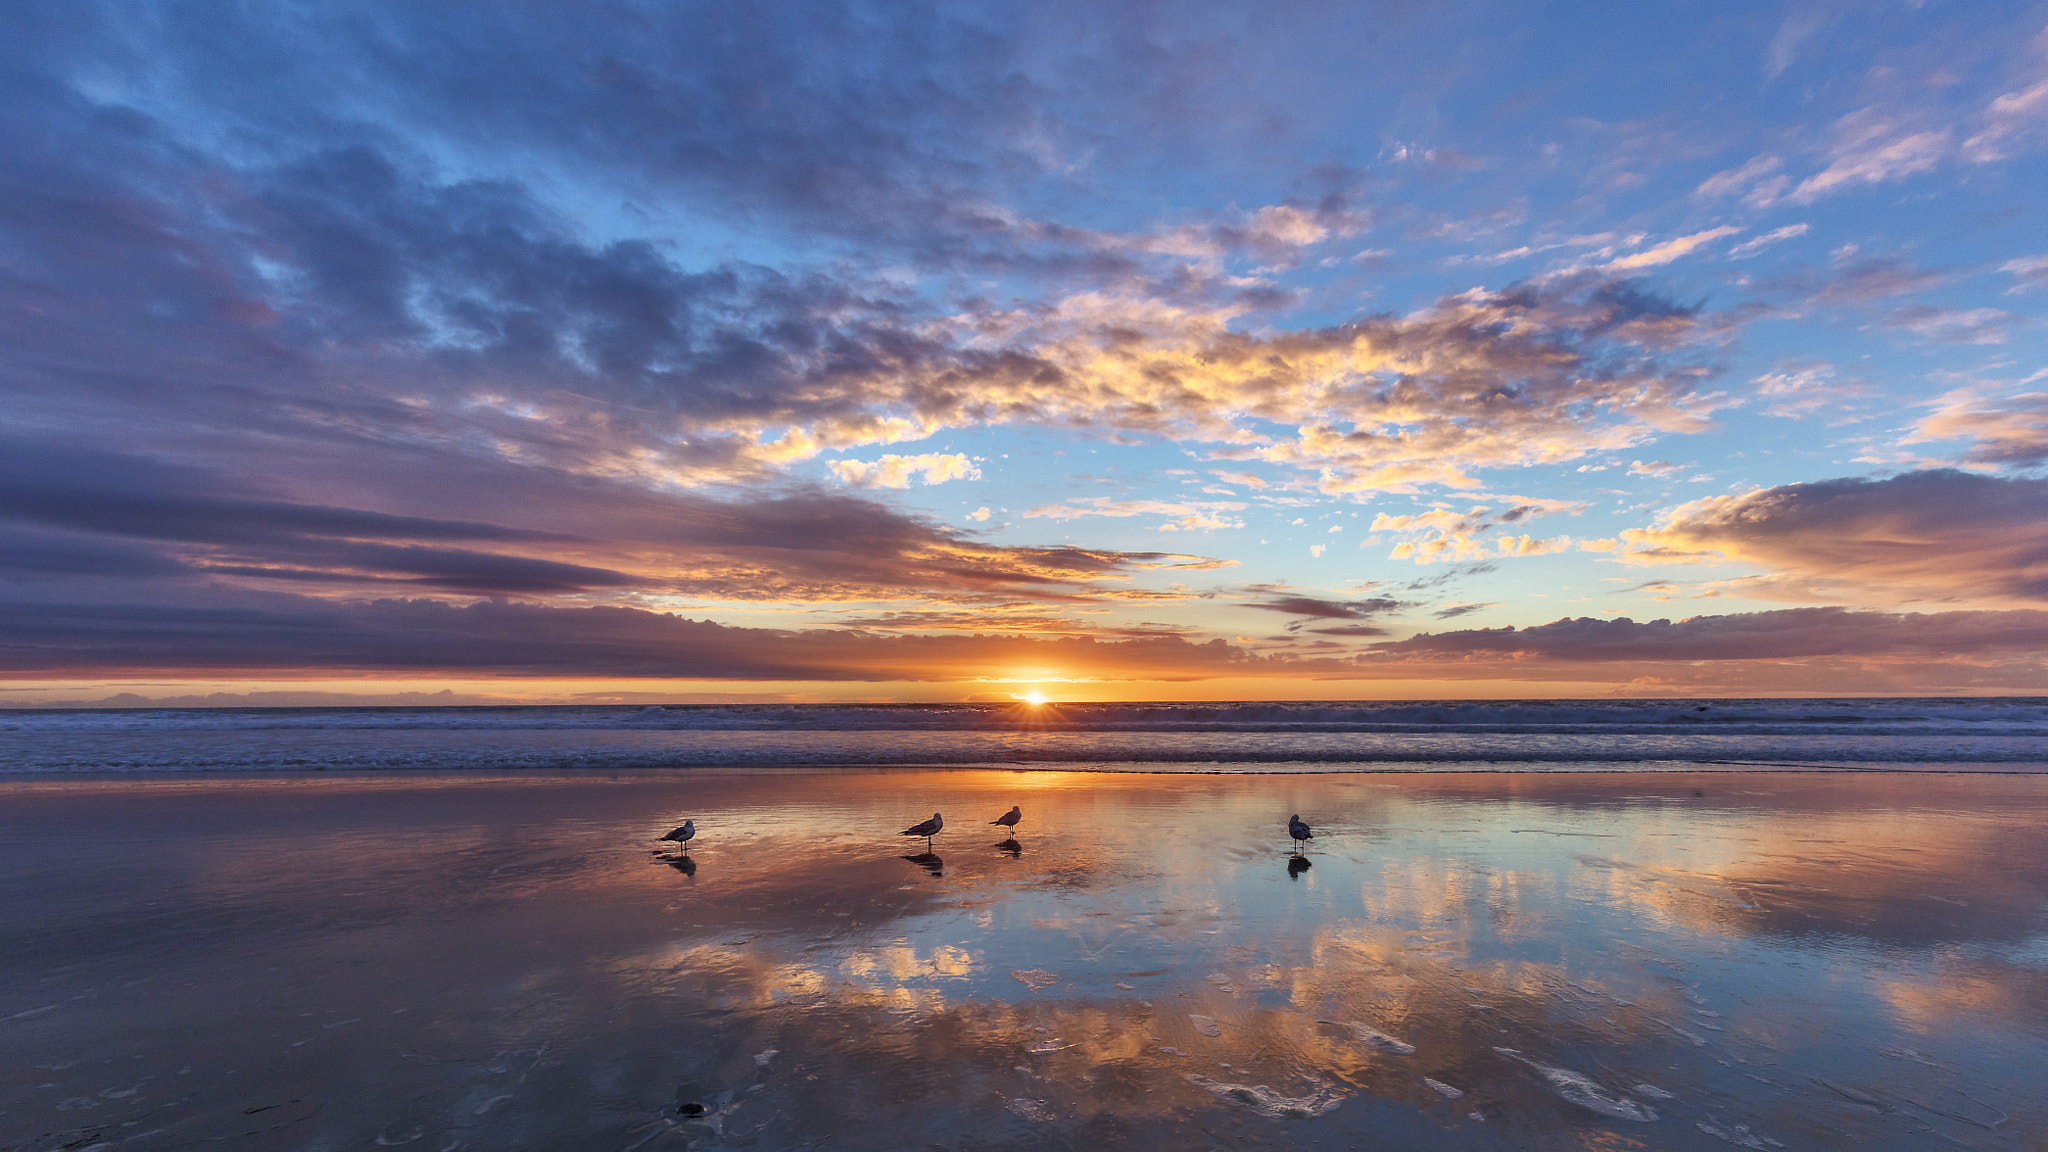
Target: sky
{"x":829,"y":351}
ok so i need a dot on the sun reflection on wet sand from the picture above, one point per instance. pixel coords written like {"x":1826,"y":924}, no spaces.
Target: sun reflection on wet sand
{"x":504,"y":961}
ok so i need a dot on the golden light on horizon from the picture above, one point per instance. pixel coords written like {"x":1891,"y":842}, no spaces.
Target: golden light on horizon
{"x":1034,"y":698}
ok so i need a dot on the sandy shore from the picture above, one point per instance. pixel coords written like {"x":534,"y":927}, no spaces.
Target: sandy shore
{"x":500,"y":961}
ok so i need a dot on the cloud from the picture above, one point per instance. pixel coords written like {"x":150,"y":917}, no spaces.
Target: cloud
{"x":1189,"y":515}
{"x":1003,"y":618}
{"x":1870,"y":146}
{"x":338,"y":281}
{"x":1314,"y":607}
{"x":2008,"y":120}
{"x":1348,"y":630}
{"x":885,"y":151}
{"x":1200,"y":522}
{"x":1903,"y":136}
{"x":424,"y":636}
{"x":2003,"y":430}
{"x":1534,"y":374}
{"x":256,"y":636}
{"x":1785,"y":634}
{"x":123,"y":516}
{"x":1753,"y":173}
{"x":1953,"y":325}
{"x":471,"y":316}
{"x":2030,"y":271}
{"x":1801,"y":25}
{"x":1797,"y":389}
{"x":1753,"y":246}
{"x":1855,"y":282}
{"x":1527,"y":545}
{"x":1441,"y":535}
{"x":893,"y":471}
{"x":1668,"y":251}
{"x":1931,"y":535}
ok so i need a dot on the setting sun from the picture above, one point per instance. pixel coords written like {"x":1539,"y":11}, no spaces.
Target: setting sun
{"x":1033,"y":698}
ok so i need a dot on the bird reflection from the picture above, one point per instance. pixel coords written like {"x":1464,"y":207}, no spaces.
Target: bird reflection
{"x":1296,"y":865}
{"x":683,"y":864}
{"x":1010,"y":847}
{"x":928,"y":861}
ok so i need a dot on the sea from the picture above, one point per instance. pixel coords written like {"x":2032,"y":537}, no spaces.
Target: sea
{"x":2006,"y":734}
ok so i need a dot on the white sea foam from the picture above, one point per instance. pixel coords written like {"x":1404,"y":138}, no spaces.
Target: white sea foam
{"x":1736,"y":1134}
{"x":1266,"y":1102}
{"x":1367,"y":1034}
{"x":1579,"y":1089}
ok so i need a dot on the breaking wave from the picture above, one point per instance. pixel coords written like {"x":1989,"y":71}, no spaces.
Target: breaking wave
{"x":2002,"y":733}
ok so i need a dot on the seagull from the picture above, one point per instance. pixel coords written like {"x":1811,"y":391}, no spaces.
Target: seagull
{"x":683,"y":835}
{"x":1009,"y":819}
{"x":1298,"y":830}
{"x":928,"y":829}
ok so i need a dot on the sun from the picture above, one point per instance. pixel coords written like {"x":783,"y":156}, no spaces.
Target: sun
{"x":1034,"y":698}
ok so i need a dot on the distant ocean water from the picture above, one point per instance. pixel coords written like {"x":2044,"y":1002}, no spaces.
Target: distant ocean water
{"x":1963,"y":734}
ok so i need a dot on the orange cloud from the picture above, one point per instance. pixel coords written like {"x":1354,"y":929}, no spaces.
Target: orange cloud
{"x":1939,"y":534}
{"x":893,"y":471}
{"x":1529,"y":375}
{"x":2004,"y":430}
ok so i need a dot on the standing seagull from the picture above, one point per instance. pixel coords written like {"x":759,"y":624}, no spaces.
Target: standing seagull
{"x":928,"y":829}
{"x":1298,"y":830}
{"x":1009,"y":819}
{"x":684,"y":835}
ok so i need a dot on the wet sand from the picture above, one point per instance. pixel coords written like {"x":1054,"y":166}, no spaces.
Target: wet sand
{"x":1474,"y":961}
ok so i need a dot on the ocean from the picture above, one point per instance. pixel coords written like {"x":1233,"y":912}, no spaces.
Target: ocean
{"x":1967,"y":734}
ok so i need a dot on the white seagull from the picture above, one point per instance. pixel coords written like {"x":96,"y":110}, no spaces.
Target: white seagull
{"x":1298,"y":830}
{"x":1009,"y":819}
{"x":683,"y":835}
{"x":928,"y":829}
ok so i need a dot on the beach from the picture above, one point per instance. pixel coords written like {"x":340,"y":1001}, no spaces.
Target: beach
{"x":1537,"y":960}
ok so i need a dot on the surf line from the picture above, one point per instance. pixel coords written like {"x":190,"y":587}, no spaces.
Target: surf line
{"x":1813,"y":767}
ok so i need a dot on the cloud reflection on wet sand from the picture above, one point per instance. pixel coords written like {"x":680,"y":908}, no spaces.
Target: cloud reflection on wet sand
{"x":503,"y":961}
